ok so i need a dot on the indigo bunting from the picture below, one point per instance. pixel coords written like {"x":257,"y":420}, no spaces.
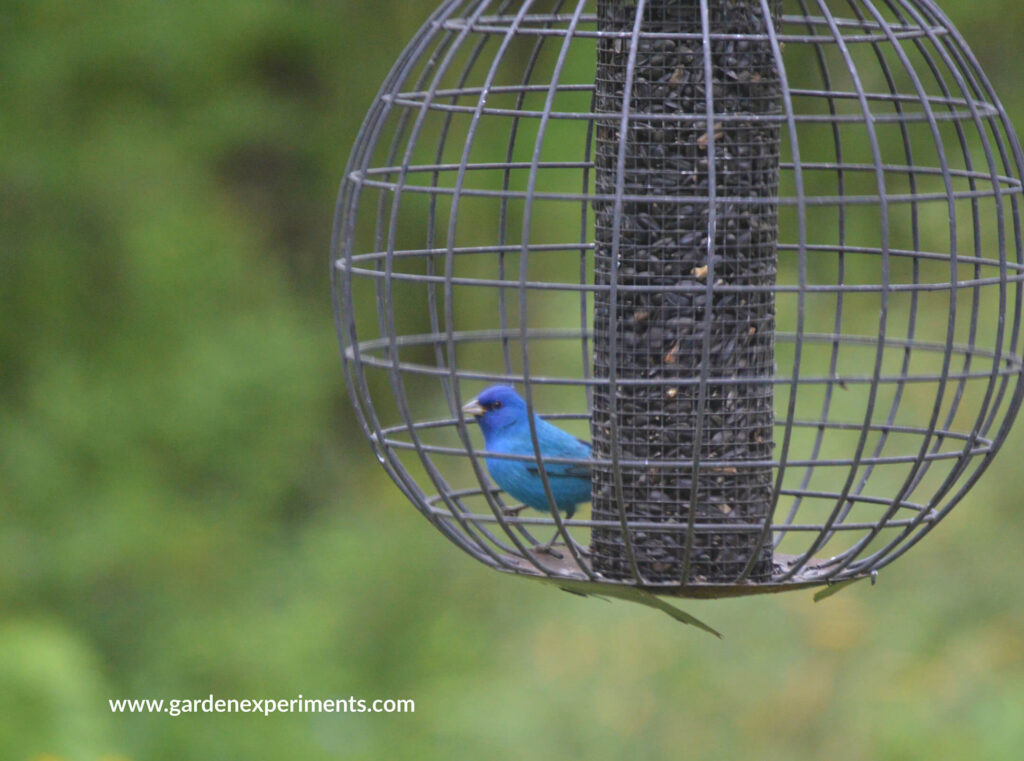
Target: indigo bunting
{"x":504,"y":420}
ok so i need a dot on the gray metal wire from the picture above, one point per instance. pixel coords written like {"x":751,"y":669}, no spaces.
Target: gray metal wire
{"x":464,"y":255}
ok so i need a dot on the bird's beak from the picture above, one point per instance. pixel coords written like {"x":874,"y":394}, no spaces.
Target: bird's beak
{"x":473,"y":408}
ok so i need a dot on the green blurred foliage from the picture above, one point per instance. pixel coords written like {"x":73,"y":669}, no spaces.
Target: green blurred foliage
{"x":187,"y":506}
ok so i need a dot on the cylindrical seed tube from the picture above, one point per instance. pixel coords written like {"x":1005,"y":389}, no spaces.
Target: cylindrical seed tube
{"x":692,"y":363}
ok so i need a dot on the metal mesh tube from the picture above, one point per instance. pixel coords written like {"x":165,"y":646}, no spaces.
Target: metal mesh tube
{"x":712,"y":346}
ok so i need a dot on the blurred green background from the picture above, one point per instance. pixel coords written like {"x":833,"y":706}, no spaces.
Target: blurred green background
{"x":187,"y":506}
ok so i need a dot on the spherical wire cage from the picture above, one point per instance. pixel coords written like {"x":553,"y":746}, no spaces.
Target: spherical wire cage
{"x":766,"y":255}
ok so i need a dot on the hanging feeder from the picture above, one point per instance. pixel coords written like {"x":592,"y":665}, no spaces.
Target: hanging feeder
{"x":766,"y":255}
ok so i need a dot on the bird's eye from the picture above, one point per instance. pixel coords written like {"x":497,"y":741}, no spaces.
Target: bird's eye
{"x":496,"y":405}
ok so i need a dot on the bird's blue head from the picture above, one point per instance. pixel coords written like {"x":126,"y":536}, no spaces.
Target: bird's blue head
{"x":496,"y":409}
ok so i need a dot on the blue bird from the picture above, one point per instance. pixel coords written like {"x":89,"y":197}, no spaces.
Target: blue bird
{"x":504,"y":420}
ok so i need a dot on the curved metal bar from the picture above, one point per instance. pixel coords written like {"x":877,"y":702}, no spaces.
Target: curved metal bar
{"x":613,"y":334}
{"x":523,"y":331}
{"x":449,"y":314}
{"x":794,"y":386}
{"x":876,"y":154}
{"x":960,"y":467}
{"x":345,"y":217}
{"x":386,"y":317}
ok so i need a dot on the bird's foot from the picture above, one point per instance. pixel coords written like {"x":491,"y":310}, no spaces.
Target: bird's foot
{"x":549,"y":547}
{"x":512,"y":512}
{"x":552,"y":552}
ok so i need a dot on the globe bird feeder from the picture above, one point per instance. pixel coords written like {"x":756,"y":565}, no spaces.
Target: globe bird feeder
{"x":766,"y":255}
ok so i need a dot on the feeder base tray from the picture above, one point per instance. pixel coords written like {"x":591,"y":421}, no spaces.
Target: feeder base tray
{"x":813,"y":574}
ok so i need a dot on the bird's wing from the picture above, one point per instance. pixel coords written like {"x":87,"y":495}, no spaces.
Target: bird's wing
{"x":560,"y":469}
{"x":555,"y":442}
